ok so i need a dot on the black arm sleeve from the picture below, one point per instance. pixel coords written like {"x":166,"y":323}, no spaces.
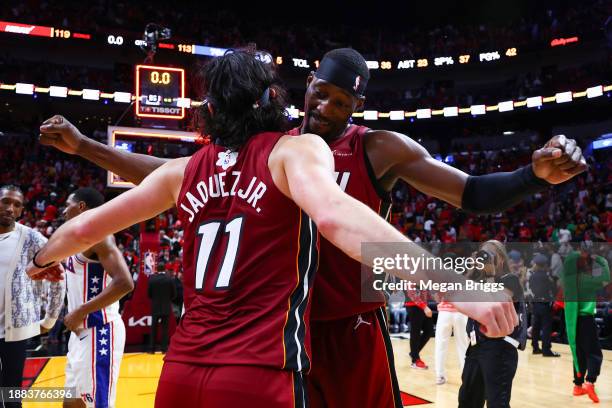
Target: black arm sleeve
{"x":497,"y":192}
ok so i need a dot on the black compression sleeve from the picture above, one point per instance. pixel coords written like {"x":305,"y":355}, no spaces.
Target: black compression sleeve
{"x":497,"y":192}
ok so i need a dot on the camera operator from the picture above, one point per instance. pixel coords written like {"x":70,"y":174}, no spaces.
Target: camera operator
{"x":490,"y":363}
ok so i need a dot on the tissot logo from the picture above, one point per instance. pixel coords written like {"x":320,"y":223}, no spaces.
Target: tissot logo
{"x":341,"y":153}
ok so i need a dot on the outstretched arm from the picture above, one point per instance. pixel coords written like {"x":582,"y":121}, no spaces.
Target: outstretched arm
{"x":156,"y":193}
{"x":302,"y":168}
{"x":63,"y":135}
{"x":395,"y":156}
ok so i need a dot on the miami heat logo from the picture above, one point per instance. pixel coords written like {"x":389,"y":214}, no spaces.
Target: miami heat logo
{"x":227,"y":159}
{"x":357,"y":82}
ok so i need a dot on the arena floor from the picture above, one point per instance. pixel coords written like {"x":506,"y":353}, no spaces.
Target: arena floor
{"x":540,"y":382}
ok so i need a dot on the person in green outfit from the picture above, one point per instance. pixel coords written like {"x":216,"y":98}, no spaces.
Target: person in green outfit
{"x":584,"y":273}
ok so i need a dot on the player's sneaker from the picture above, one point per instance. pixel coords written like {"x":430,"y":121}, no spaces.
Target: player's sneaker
{"x":420,"y":364}
{"x":578,"y":390}
{"x":590,"y":391}
{"x":440,"y":380}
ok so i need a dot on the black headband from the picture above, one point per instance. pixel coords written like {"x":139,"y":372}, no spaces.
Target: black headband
{"x":341,"y":76}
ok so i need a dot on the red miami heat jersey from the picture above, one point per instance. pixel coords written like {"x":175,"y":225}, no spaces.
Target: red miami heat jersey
{"x":337,"y":292}
{"x":249,"y":259}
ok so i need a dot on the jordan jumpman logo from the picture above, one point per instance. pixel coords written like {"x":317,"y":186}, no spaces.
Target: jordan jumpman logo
{"x":360,"y":321}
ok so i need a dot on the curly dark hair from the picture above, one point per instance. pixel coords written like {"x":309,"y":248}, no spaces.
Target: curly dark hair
{"x":237,"y":86}
{"x":90,"y":196}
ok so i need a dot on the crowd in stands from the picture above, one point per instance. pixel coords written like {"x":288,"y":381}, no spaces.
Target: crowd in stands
{"x":45,"y":73}
{"x":228,"y":29}
{"x":432,"y":94}
{"x":542,"y":82}
{"x":204,"y":25}
{"x":584,"y":206}
{"x":578,"y":211}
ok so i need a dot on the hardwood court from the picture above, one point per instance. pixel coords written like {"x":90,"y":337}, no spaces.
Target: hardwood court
{"x":540,"y":382}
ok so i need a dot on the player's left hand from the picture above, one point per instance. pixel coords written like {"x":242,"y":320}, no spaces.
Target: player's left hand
{"x":559,"y":160}
{"x":54,"y":273}
{"x":73,"y":320}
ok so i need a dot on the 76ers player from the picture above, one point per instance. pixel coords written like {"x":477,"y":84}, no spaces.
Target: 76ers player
{"x":96,"y":279}
{"x":249,"y":204}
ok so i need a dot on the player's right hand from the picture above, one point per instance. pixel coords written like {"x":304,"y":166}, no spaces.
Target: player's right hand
{"x":497,"y":319}
{"x":53,"y":273}
{"x":58,"y":132}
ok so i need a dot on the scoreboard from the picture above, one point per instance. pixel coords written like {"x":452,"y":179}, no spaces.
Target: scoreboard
{"x":159,"y":91}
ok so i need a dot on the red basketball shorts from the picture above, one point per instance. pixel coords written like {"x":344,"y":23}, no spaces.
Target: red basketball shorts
{"x":352,"y":363}
{"x":186,"y":385}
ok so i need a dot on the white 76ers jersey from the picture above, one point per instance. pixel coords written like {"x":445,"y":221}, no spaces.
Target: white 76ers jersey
{"x":85,"y":279}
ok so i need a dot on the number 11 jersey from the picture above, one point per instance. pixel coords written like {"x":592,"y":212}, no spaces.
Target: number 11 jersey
{"x":249,"y":258}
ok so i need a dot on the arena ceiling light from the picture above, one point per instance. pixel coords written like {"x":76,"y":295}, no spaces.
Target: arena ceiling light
{"x":594,"y":91}
{"x":183,"y":102}
{"x":294,"y":113}
{"x":370,"y":115}
{"x":451,"y":111}
{"x":91,"y":94}
{"x":478,"y":109}
{"x":24,"y":89}
{"x":506,"y":106}
{"x":534,"y":101}
{"x":58,"y":91}
{"x":423,"y":113}
{"x":564,"y":97}
{"x":122,"y":97}
{"x":396,"y":115}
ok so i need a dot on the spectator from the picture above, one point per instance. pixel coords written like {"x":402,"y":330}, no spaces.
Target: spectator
{"x":543,"y":288}
{"x":398,"y":313}
{"x":421,"y":326}
{"x":517,"y":266}
{"x":178,"y":300}
{"x":18,"y":247}
{"x":161,"y":291}
{"x":583,"y":275}
{"x":556,"y":264}
{"x":450,"y":321}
